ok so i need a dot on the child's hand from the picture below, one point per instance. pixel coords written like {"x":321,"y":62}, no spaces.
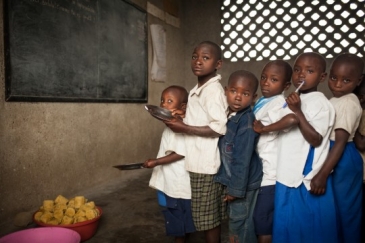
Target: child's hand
{"x":176,"y":125}
{"x":229,"y":198}
{"x":178,"y":113}
{"x":150,"y":163}
{"x":318,"y":184}
{"x":293,"y":101}
{"x":258,"y":126}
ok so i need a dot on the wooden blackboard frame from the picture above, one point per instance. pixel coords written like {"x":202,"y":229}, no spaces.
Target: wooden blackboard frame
{"x":119,"y":88}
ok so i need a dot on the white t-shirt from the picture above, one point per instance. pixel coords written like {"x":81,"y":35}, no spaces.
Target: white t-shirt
{"x":206,"y":107}
{"x":172,"y":179}
{"x":348,"y":114}
{"x":293,"y":148}
{"x":267,"y":146}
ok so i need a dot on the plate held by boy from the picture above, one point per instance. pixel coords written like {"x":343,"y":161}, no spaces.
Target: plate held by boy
{"x":159,"y":112}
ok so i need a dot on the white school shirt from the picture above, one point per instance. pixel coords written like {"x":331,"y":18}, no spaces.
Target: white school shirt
{"x":293,"y":148}
{"x":207,"y":106}
{"x":267,"y":146}
{"x":172,"y":179}
{"x":348,"y":114}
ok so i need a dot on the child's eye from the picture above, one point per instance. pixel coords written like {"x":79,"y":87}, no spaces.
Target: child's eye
{"x":193,"y":57}
{"x":346,"y":80}
{"x":274,"y":80}
{"x":296,"y":70}
{"x":310,"y":71}
{"x":205,"y":58}
{"x":246,"y":94}
{"x":333,"y":78}
{"x":263,"y":78}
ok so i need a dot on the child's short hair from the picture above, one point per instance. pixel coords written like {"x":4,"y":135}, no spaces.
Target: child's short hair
{"x":352,"y":59}
{"x":287,"y":68}
{"x":319,"y":57}
{"x":182,"y":92}
{"x":216,"y":48}
{"x":245,"y":74}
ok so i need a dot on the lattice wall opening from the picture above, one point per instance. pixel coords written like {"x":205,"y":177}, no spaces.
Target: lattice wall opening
{"x":255,"y":30}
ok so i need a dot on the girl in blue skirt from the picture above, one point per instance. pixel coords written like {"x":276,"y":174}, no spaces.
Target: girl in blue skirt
{"x":344,"y":159}
{"x":303,"y":145}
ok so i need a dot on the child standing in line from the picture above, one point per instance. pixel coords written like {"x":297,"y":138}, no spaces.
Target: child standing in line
{"x":303,"y":144}
{"x":169,"y":175}
{"x":359,"y":141}
{"x":204,"y":123}
{"x":343,"y":158}
{"x":241,"y":167}
{"x":275,"y":79}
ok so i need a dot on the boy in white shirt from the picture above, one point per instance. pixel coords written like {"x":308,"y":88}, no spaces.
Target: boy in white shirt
{"x":169,"y":176}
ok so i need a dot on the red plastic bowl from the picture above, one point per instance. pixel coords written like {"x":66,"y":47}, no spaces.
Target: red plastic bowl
{"x":41,"y":235}
{"x":86,"y":229}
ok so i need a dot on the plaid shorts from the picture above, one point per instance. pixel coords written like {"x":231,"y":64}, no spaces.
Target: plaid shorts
{"x":207,"y":204}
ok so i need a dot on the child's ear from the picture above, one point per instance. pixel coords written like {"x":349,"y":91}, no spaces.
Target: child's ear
{"x":219,"y":64}
{"x":183,"y":106}
{"x":360,"y":80}
{"x":254,"y":97}
{"x":225,"y":90}
{"x":286,"y":86}
{"x":323,"y":77}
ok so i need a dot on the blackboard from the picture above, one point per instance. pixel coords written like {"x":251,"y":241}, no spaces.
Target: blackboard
{"x":75,"y":51}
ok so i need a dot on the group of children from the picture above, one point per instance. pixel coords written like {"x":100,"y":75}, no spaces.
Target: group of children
{"x":284,"y":170}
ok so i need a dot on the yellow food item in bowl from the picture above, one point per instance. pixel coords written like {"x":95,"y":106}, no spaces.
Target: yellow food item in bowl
{"x":63,"y":211}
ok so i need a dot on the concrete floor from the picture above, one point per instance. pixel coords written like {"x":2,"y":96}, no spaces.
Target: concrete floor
{"x":130,"y":212}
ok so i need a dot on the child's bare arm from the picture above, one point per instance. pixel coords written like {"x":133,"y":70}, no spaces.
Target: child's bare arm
{"x":284,"y":123}
{"x":318,"y":183}
{"x":308,"y":132}
{"x":359,"y":141}
{"x":170,"y":158}
{"x":179,"y":126}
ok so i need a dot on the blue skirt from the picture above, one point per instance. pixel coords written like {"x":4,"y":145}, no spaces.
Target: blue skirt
{"x":302,"y":217}
{"x":347,"y":186}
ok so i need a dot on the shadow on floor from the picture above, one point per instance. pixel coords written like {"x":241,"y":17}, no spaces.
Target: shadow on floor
{"x":130,"y":212}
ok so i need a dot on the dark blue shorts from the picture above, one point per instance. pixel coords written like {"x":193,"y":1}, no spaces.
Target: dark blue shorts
{"x":178,"y":218}
{"x":264,"y":210}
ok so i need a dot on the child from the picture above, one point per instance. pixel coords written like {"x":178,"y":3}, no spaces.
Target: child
{"x":241,"y":169}
{"x":205,"y":121}
{"x":303,"y":145}
{"x":275,"y":79}
{"x":359,"y":141}
{"x":344,"y":159}
{"x":169,"y":175}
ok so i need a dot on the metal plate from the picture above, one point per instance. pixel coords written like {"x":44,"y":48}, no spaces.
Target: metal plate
{"x":159,"y":112}
{"x":133,"y":166}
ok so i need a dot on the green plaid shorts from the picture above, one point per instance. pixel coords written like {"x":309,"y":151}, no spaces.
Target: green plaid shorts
{"x":207,"y":204}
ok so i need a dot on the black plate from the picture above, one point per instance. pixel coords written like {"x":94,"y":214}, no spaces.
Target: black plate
{"x":133,"y":166}
{"x":159,"y":112}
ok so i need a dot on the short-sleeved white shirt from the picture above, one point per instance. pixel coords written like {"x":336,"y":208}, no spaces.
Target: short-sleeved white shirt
{"x":348,"y":114}
{"x":206,"y":107}
{"x":267,"y":146}
{"x":172,"y":179}
{"x":293,"y":148}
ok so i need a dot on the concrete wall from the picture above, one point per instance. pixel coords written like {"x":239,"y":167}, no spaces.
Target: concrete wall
{"x":48,"y":149}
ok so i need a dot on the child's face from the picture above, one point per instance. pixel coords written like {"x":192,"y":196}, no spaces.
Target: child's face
{"x":309,"y":69}
{"x":204,"y":61}
{"x":170,"y":100}
{"x":273,"y":80}
{"x":343,"y":78}
{"x":239,"y":93}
